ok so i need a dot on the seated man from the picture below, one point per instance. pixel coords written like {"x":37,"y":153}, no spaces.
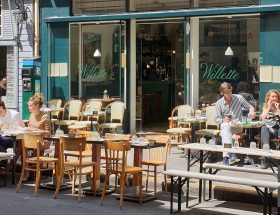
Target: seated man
{"x":8,"y":118}
{"x":229,"y":108}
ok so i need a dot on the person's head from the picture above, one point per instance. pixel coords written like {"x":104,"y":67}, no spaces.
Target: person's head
{"x":2,"y":109}
{"x":226,"y":91}
{"x":242,"y":86}
{"x":35,"y":103}
{"x":272,"y":95}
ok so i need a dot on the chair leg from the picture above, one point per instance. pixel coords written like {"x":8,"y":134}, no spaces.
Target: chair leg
{"x":107,"y":176}
{"x":140,"y":188}
{"x":74,"y":176}
{"x":59,"y":182}
{"x":155,"y":179}
{"x":165,"y":179}
{"x":37,"y":183}
{"x":80,"y":184}
{"x":147,"y":177}
{"x":94,"y":181}
{"x":121,"y":189}
{"x":21,"y":177}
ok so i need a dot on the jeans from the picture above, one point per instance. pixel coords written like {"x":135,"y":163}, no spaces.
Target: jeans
{"x":268,"y":133}
{"x":5,"y":143}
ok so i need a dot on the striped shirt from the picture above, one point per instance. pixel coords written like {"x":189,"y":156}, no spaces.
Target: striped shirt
{"x":235,"y":108}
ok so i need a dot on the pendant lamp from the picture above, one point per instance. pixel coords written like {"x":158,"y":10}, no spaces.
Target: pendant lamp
{"x":229,"y":51}
{"x":97,"y":53}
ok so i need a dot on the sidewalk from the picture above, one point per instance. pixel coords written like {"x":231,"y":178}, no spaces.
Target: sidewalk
{"x":24,"y":203}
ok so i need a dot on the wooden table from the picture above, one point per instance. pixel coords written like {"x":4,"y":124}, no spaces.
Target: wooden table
{"x":269,"y":155}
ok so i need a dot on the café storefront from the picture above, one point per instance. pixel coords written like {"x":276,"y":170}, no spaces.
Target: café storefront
{"x":157,"y":55}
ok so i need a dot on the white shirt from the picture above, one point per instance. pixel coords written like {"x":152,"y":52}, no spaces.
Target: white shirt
{"x":11,"y":118}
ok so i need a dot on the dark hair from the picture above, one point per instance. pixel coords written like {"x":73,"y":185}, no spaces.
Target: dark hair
{"x":2,"y":104}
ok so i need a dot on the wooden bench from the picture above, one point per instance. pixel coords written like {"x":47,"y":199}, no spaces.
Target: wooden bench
{"x":218,"y":167}
{"x":265,"y":195}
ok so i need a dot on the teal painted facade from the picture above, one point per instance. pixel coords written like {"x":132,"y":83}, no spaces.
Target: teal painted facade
{"x":56,"y":16}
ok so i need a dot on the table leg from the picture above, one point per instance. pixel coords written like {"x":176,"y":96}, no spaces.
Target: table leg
{"x":200,"y":170}
{"x":278,"y":197}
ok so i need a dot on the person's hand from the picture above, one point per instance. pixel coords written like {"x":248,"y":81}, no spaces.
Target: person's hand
{"x":252,"y":114}
{"x":227,"y":119}
{"x":276,"y":105}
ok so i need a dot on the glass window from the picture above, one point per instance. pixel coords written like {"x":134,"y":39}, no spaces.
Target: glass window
{"x":118,"y":6}
{"x":98,"y":7}
{"x":1,"y":18}
{"x":95,"y":60}
{"x":239,"y":68}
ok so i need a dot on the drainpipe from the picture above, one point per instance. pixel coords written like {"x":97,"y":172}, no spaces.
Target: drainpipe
{"x":36,"y":21}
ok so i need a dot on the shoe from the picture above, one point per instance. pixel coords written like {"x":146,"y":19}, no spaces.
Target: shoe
{"x":226,"y":161}
{"x":26,"y":176}
{"x":232,"y":157}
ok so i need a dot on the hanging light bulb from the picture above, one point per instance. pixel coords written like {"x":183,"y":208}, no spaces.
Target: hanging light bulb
{"x":97,"y":53}
{"x":229,"y":51}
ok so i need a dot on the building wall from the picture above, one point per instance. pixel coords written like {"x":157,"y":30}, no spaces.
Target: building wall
{"x":16,"y":53}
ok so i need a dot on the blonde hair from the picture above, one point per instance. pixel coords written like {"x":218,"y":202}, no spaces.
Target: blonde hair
{"x":268,"y":95}
{"x":37,"y":99}
{"x":225,"y":86}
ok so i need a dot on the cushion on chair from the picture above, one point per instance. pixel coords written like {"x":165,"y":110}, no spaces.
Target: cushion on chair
{"x":208,"y":132}
{"x":110,"y":125}
{"x":178,"y":130}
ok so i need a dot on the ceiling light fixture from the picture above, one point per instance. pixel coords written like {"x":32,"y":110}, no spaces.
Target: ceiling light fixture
{"x":229,"y":51}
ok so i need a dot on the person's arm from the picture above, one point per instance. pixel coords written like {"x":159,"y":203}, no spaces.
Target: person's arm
{"x":46,"y":124}
{"x":218,"y":117}
{"x":247,"y":105}
{"x":264,"y":113}
{"x":18,"y":120}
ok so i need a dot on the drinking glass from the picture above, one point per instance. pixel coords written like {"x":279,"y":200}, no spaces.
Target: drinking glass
{"x":96,"y":135}
{"x":212,"y":142}
{"x":135,"y":139}
{"x":266,"y":147}
{"x":236,"y":144}
{"x":253,"y":145}
{"x":202,"y":140}
{"x":141,"y":140}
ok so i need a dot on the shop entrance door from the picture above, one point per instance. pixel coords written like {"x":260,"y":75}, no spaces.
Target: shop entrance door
{"x":160,"y":72}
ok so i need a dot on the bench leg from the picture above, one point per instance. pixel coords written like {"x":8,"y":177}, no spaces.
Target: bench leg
{"x":210,"y":186}
{"x":200,"y":180}
{"x":179,"y":194}
{"x":171,"y":195}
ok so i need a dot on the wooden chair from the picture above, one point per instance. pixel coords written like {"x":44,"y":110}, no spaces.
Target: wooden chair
{"x":116,"y":119}
{"x":75,"y":167}
{"x":54,"y":115}
{"x":156,"y":157}
{"x":33,"y":161}
{"x":179,"y":112}
{"x":209,"y":132}
{"x":116,"y":163}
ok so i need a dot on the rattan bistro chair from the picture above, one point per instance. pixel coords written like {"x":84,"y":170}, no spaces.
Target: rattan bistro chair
{"x":209,"y":132}
{"x":33,"y":161}
{"x":116,"y":119}
{"x":75,"y":167}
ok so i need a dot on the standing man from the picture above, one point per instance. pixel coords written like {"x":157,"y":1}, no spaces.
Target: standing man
{"x":229,"y":108}
{"x":8,"y":118}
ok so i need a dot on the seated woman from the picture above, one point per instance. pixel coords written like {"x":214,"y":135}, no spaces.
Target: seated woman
{"x":270,"y":116}
{"x":38,"y":120}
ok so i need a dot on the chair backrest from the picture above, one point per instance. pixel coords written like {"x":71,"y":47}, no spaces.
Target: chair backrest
{"x":159,"y":154}
{"x":184,"y":110}
{"x":92,"y":105}
{"x":33,"y":142}
{"x":72,"y":143}
{"x":74,"y":107}
{"x":210,"y":114}
{"x":110,"y":136}
{"x":57,"y":104}
{"x":117,"y":111}
{"x":86,"y":134}
{"x":116,"y":154}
